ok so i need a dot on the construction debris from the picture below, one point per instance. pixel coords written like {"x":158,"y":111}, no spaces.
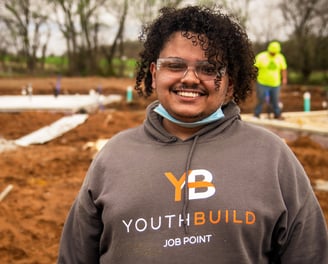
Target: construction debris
{"x":5,"y":192}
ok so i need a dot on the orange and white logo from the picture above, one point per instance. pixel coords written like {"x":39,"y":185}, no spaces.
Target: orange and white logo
{"x":199,"y":183}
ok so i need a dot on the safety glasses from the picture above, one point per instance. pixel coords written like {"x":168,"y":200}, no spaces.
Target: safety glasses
{"x":178,"y":68}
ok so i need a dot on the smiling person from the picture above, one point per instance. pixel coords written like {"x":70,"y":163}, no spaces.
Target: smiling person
{"x":194,"y":183}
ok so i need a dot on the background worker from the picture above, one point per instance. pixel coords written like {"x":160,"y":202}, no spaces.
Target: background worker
{"x":272,"y":72}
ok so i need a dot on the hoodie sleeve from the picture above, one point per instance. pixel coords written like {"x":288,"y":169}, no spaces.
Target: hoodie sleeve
{"x":82,"y":230}
{"x":307,"y":239}
{"x":300,"y":235}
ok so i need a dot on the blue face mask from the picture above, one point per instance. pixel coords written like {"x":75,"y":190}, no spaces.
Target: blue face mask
{"x":218,"y":114}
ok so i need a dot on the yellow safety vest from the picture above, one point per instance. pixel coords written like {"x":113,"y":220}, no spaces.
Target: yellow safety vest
{"x":269,"y":68}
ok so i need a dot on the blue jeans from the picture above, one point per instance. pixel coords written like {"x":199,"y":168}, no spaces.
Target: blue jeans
{"x":270,"y":95}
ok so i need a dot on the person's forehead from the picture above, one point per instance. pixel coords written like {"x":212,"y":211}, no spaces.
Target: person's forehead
{"x":180,"y":44}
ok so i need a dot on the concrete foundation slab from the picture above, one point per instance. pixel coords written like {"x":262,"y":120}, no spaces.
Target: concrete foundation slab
{"x":66,"y":103}
{"x":315,"y":122}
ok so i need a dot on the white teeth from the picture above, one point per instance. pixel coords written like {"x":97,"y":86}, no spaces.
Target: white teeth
{"x":188,"y":94}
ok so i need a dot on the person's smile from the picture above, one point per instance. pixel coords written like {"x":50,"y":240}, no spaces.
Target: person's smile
{"x":188,"y":92}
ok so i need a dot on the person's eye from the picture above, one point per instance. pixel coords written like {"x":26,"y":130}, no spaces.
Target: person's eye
{"x":175,"y":66}
{"x":207,"y":69}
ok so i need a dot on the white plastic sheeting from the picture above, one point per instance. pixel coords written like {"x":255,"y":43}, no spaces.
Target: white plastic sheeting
{"x":52,"y":131}
{"x":67,"y":103}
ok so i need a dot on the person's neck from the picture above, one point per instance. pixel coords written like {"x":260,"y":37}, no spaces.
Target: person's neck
{"x":179,"y":131}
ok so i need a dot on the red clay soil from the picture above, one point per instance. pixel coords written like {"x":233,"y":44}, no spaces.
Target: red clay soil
{"x":47,"y":177}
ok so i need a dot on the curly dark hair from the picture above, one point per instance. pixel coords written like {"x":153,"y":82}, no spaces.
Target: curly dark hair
{"x":225,"y":40}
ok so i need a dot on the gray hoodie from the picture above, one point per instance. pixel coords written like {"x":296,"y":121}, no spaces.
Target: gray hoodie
{"x":248,"y":200}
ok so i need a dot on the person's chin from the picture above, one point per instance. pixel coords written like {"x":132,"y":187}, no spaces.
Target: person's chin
{"x":188,"y":117}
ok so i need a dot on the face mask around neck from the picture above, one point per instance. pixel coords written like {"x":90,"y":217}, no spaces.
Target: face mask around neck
{"x":218,"y":114}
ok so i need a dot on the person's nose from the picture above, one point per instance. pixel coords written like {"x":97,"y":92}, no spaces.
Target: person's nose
{"x":190,"y":75}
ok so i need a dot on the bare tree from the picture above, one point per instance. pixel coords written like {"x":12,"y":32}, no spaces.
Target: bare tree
{"x":5,"y":36}
{"x":88,"y":14}
{"x":78,"y":20}
{"x":44,"y":47}
{"x":4,"y":45}
{"x":309,"y":19}
{"x":240,"y":9}
{"x":68,"y":29}
{"x":24,"y":21}
{"x":121,"y":13}
{"x":146,"y":10}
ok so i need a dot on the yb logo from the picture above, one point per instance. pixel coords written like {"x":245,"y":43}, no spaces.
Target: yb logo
{"x":199,"y":183}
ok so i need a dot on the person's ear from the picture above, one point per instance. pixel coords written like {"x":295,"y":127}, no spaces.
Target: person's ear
{"x":229,"y":92}
{"x":230,"y":88}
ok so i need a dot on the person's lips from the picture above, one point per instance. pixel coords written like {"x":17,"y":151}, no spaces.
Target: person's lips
{"x":189,"y":92}
{"x":192,"y":94}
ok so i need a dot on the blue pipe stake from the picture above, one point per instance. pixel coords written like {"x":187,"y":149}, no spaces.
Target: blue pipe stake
{"x":307,"y":101}
{"x":129,"y":94}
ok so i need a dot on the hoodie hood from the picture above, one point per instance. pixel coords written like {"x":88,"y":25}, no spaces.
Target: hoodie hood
{"x":154,"y":128}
